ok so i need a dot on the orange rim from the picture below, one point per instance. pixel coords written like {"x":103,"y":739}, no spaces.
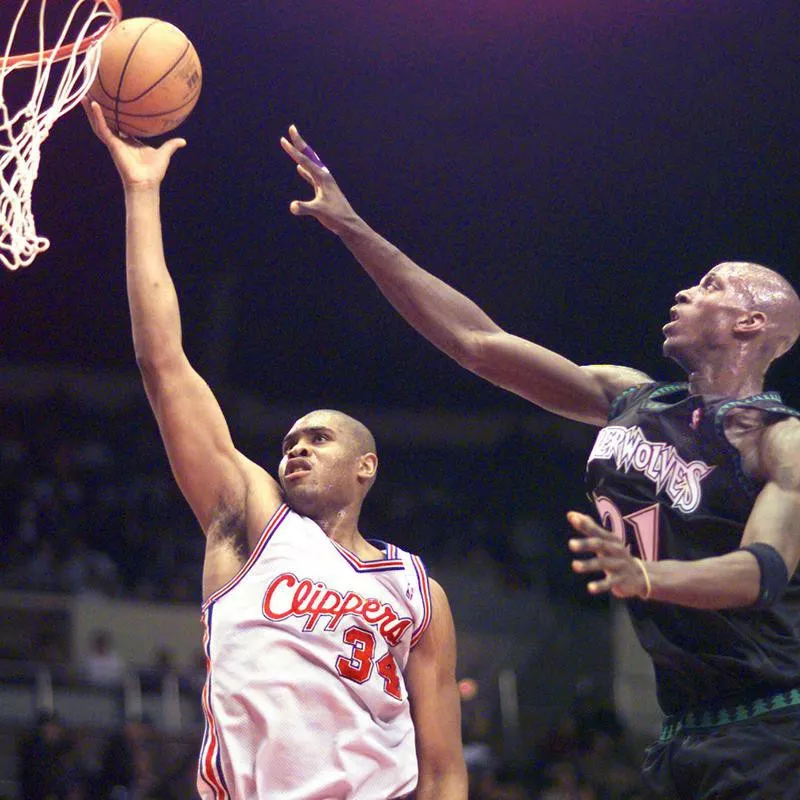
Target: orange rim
{"x":59,"y":53}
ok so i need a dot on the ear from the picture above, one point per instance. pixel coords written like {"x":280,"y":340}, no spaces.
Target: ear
{"x":367,"y":466}
{"x":751,"y":322}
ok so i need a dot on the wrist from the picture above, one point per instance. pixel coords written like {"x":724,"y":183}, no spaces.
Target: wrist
{"x":647,"y":589}
{"x":351,"y":228}
{"x":141,"y":187}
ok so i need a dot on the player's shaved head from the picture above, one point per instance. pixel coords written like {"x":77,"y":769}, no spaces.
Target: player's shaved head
{"x":770,"y":293}
{"x":361,"y":435}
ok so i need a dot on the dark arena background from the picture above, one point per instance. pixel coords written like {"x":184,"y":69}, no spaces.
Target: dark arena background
{"x":568,"y":164}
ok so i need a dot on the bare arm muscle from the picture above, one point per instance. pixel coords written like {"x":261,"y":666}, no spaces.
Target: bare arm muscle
{"x":436,"y":707}
{"x":462,"y":330}
{"x":206,"y":465}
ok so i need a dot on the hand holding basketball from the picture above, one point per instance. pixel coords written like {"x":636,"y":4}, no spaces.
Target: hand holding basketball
{"x":149,"y":77}
{"x":137,"y":163}
{"x":329,"y":204}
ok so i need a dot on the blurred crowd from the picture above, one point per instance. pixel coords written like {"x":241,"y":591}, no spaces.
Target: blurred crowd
{"x":583,"y":755}
{"x":90,"y":507}
{"x":135,"y":762}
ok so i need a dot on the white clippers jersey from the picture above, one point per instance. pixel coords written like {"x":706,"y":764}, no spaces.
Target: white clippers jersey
{"x":305,"y":697}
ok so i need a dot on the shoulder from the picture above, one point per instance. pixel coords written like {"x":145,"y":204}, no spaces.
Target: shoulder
{"x":438,"y":594}
{"x":614,"y":379}
{"x":441,"y":613}
{"x":439,"y":636}
{"x":780,"y":452}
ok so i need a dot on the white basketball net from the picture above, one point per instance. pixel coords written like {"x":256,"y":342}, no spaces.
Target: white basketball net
{"x":56,"y":90}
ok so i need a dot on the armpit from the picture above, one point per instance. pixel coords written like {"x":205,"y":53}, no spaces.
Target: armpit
{"x":228,"y":528}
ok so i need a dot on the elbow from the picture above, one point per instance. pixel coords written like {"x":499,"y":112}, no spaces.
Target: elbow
{"x":156,"y":352}
{"x":144,"y":364}
{"x":149,"y":366}
{"x":480,"y":352}
{"x":149,"y":373}
{"x":156,"y":368}
{"x":470,"y":351}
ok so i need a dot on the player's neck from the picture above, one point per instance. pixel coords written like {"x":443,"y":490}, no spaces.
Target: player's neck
{"x":725,"y":380}
{"x":733,"y":370}
{"x":342,"y":527}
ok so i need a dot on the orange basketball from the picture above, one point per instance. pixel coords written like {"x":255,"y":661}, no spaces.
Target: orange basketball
{"x":149,"y":77}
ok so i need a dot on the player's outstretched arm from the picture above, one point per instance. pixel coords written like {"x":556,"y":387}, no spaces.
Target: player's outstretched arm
{"x":436,"y":706}
{"x":451,"y":321}
{"x":735,"y":580}
{"x":207,"y":467}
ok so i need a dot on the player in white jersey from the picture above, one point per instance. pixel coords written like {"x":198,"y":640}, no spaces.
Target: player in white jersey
{"x":331,"y":658}
{"x":302,"y":601}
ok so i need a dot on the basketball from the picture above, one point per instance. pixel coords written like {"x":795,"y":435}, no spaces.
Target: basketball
{"x":149,"y":77}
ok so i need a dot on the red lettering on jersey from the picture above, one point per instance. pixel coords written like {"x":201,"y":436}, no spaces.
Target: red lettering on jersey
{"x":288,"y":596}
{"x":274,"y":613}
{"x":351,"y":604}
{"x":371,"y":611}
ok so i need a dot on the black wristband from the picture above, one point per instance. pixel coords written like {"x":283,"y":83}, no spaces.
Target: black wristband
{"x":774,"y":575}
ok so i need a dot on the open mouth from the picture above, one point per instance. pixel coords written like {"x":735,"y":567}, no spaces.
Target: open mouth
{"x":296,"y":466}
{"x":673,"y":318}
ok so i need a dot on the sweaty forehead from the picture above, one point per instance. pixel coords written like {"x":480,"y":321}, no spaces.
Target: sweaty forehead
{"x":317,"y":420}
{"x":344,"y":426}
{"x":739,"y":275}
{"x":727,"y":270}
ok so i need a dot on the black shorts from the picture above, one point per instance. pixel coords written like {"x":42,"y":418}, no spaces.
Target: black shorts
{"x":752,"y":759}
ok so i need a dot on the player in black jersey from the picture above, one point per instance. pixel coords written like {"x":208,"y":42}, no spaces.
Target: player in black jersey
{"x":697,"y":487}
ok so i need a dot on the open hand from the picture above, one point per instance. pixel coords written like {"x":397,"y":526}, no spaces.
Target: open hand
{"x":137,"y":163}
{"x":624,"y":575}
{"x":329,"y":204}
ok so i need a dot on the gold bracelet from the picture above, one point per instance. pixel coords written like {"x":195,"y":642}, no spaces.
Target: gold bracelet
{"x":648,"y":587}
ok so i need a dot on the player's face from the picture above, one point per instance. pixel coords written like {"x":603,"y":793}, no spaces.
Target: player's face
{"x":319,"y":466}
{"x":704,"y":315}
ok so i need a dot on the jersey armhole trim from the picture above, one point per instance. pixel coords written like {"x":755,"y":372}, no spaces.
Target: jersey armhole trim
{"x":425,"y":595}
{"x":619,"y":401}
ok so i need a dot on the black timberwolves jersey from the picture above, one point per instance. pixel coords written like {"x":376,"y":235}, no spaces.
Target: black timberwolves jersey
{"x":665,"y":478}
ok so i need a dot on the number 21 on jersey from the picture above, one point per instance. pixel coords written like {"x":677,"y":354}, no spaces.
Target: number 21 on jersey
{"x":644,"y":523}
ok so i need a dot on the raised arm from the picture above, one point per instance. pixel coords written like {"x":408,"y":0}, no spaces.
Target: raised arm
{"x":451,"y":321}
{"x":213,"y":476}
{"x":733,"y":580}
{"x":436,"y":707}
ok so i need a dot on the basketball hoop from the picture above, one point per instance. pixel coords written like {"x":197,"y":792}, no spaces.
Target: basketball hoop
{"x":55,"y":91}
